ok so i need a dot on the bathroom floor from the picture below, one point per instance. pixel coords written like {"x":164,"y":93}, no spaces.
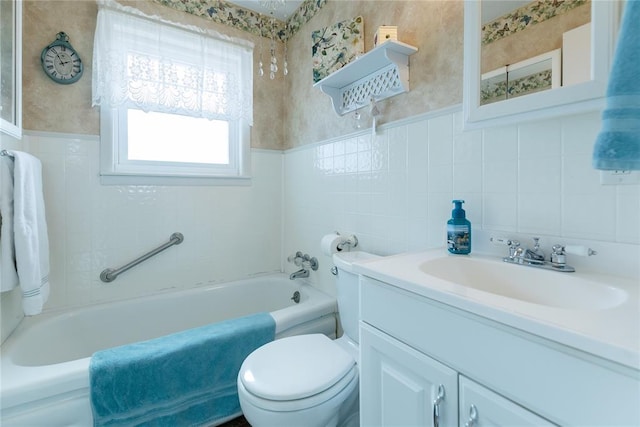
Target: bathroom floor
{"x":236,"y":422}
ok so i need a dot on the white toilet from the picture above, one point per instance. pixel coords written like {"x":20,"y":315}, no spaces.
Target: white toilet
{"x":308,"y":380}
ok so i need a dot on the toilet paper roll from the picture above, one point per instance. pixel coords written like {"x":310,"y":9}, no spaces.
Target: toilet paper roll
{"x":329,"y":244}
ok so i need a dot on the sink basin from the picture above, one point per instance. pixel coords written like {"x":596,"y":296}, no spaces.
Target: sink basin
{"x":536,"y":286}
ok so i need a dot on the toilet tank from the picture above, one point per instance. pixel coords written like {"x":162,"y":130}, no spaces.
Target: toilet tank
{"x":348,"y":290}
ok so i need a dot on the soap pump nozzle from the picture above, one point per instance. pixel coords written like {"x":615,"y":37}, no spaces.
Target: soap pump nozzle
{"x":457,"y":211}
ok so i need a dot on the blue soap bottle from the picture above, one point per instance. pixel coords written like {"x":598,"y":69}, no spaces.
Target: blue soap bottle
{"x":458,"y":231}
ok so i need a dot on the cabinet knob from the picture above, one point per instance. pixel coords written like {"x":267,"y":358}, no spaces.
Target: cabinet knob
{"x":436,"y":405}
{"x":473,"y":416}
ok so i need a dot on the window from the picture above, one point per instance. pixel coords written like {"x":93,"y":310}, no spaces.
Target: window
{"x":176,"y":102}
{"x":151,"y":136}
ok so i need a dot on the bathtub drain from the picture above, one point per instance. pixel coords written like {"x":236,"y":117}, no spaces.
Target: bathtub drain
{"x":296,"y":297}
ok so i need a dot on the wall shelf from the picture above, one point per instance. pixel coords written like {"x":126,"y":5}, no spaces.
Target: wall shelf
{"x":381,"y":73}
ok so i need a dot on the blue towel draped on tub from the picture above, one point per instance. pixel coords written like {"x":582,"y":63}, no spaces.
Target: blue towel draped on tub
{"x":618,"y":144}
{"x":183,"y":379}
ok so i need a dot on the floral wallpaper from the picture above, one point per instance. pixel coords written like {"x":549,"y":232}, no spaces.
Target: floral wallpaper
{"x":335,"y":46}
{"x":223,"y":12}
{"x":530,"y":14}
{"x":523,"y":86}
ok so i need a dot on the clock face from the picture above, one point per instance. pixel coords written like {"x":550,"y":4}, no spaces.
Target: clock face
{"x":62,"y":64}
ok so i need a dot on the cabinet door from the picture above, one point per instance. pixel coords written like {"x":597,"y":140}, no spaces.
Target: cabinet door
{"x":481,"y":407}
{"x":399,"y":386}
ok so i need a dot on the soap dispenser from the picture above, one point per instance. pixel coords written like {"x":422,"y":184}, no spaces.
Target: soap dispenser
{"x":458,"y":231}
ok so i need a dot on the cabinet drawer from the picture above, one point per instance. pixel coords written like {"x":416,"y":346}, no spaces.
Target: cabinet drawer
{"x":481,"y":407}
{"x":561,"y":384}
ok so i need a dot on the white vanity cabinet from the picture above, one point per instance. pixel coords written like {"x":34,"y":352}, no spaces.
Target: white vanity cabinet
{"x":411,"y":344}
{"x":401,"y":386}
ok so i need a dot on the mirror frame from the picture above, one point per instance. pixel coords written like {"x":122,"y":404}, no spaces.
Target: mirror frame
{"x":587,"y":96}
{"x":14,"y":128}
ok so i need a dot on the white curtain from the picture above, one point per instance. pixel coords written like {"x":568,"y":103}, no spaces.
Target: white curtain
{"x":151,"y":64}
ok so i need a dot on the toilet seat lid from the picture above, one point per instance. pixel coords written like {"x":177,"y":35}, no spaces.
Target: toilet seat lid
{"x":295,"y":367}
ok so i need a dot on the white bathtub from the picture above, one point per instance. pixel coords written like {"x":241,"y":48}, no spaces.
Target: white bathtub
{"x":44,"y":369}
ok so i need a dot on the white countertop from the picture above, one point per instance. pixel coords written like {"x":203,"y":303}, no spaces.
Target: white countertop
{"x":611,"y":333}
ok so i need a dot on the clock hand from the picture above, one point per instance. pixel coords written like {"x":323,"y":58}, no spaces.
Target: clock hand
{"x":61,"y":61}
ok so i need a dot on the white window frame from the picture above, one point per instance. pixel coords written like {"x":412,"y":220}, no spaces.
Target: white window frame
{"x":116,"y":169}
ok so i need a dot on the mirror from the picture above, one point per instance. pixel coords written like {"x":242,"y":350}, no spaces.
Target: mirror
{"x":10,"y":67}
{"x":535,"y":74}
{"x":523,"y":61}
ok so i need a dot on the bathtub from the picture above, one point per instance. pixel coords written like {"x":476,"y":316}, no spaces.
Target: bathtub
{"x":44,"y":377}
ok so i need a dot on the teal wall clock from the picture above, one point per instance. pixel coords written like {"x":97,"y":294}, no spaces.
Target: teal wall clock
{"x":61,"y":62}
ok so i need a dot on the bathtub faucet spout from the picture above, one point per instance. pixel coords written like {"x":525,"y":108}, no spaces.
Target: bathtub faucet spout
{"x":303,"y":272}
{"x":306,"y":262}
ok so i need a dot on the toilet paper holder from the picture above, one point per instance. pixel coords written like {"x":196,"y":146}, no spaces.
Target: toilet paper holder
{"x":347,"y":242}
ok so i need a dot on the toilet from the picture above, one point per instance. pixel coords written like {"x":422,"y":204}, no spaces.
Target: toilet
{"x":309,"y":380}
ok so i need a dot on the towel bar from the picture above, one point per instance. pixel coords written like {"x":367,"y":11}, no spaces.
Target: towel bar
{"x":110,"y":274}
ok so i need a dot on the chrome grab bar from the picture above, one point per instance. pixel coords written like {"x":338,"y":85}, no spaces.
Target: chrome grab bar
{"x":110,"y":274}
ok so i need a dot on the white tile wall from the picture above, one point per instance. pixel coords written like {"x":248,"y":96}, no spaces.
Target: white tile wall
{"x":394,"y":190}
{"x":230,"y":232}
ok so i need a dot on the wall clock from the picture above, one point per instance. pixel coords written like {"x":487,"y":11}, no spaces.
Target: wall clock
{"x":61,"y":62}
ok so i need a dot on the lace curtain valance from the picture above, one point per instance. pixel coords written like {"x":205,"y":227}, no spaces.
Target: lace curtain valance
{"x":150,"y":64}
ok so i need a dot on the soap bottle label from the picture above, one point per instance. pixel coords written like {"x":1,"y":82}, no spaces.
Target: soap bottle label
{"x":458,"y":239}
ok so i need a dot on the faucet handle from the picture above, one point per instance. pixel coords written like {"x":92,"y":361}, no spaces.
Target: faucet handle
{"x":559,"y":253}
{"x":573,"y":249}
{"x":296,"y":258}
{"x":515,"y":251}
{"x":579,"y":250}
{"x":504,"y":241}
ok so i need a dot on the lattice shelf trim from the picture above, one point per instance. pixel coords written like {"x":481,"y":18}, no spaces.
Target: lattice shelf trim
{"x":380,"y":85}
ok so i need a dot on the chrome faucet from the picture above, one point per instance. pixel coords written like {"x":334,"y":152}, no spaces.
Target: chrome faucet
{"x":302,"y":273}
{"x":306,"y":262}
{"x":520,"y":255}
{"x":535,"y":257}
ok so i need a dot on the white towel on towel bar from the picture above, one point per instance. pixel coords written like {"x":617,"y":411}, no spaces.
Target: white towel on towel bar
{"x":30,"y":231}
{"x":8,"y":274}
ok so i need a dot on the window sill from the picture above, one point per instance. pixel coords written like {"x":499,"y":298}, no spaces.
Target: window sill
{"x":136,"y":179}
